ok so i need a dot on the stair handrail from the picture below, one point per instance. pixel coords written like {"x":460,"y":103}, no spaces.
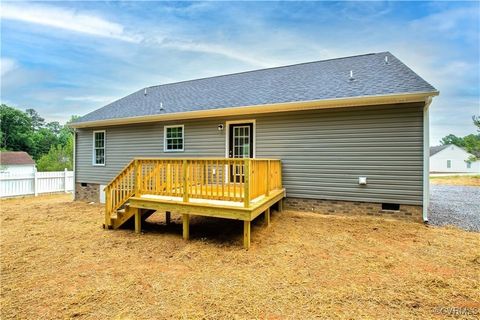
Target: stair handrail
{"x":113,"y":203}
{"x":119,"y":173}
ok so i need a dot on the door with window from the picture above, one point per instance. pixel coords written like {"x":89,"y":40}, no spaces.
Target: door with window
{"x":240,"y":146}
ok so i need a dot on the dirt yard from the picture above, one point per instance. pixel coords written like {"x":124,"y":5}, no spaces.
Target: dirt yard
{"x":473,"y":181}
{"x":57,"y":262}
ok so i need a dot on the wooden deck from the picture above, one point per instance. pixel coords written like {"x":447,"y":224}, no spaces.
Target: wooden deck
{"x":238,"y":189}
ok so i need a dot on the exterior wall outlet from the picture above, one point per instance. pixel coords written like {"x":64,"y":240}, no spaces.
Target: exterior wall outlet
{"x":362,"y":181}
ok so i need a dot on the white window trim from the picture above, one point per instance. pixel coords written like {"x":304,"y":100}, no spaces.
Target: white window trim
{"x":104,"y":148}
{"x":449,"y":162}
{"x":227,"y":134}
{"x":165,"y":138}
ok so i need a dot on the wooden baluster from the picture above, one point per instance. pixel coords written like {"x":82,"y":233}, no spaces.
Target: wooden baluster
{"x":267,"y":192}
{"x":229,"y":174}
{"x":179,"y":176}
{"x":233,"y":176}
{"x":185,"y":180}
{"x":217,"y":185}
{"x":202,"y":170}
{"x":205,"y":176}
{"x":167,"y":177}
{"x":246,"y":183}
{"x":212,"y":183}
{"x":223,"y":179}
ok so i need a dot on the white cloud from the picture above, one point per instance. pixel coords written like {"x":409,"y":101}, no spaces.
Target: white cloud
{"x":212,"y":48}
{"x":66,"y":19}
{"x":7,"y":65}
{"x":91,"y":98}
{"x":445,"y":21}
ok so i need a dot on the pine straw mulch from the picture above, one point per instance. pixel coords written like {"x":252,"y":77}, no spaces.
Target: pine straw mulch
{"x":57,"y":262}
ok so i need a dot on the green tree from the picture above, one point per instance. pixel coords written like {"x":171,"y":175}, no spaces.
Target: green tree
{"x":58,"y":157}
{"x":43,"y":140}
{"x":470,"y":143}
{"x":37,"y":121}
{"x":476,"y":122}
{"x":453,"y":139}
{"x":54,"y":127}
{"x":16,"y":130}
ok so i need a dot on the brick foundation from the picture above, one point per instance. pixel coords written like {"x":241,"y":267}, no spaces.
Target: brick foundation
{"x":89,"y":192}
{"x":409,"y":212}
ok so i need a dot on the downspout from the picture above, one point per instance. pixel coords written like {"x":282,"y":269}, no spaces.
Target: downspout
{"x":74,"y":162}
{"x":426,"y":158}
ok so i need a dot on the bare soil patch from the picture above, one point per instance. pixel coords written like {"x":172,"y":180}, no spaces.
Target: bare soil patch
{"x":57,"y":262}
{"x":473,"y":181}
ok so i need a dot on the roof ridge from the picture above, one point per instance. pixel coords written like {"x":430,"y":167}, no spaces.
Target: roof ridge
{"x":264,"y":69}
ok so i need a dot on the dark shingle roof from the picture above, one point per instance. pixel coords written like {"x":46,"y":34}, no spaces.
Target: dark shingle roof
{"x":15,"y":157}
{"x":320,"y":80}
{"x":437,"y":149}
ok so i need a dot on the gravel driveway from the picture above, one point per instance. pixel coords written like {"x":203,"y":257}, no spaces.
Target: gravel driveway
{"x":455,"y":205}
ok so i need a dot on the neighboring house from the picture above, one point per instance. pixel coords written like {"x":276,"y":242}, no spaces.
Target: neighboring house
{"x":332,"y":123}
{"x":452,"y":159}
{"x":16,"y":162}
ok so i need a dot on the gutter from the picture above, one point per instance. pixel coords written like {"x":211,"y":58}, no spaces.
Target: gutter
{"x":266,"y":108}
{"x":74,"y":163}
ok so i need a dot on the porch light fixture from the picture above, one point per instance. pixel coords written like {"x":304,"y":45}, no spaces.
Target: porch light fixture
{"x":220,"y":127}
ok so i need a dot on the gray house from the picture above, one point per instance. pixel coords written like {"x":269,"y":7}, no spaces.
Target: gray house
{"x":351,"y":134}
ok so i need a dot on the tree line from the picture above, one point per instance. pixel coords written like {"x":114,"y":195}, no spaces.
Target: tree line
{"x":471,"y":142}
{"x":49,"y":143}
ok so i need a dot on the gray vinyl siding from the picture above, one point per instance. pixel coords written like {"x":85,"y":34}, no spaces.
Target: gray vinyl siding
{"x":323,"y":151}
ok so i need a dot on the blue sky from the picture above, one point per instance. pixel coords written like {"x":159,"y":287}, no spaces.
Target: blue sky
{"x":64,"y":58}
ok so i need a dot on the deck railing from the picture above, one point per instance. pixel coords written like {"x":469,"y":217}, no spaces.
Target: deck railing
{"x":238,"y":180}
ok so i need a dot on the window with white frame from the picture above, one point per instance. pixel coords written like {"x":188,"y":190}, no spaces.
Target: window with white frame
{"x":449,"y":164}
{"x":99,"y":148}
{"x":173,"y":138}
{"x":469,"y":165}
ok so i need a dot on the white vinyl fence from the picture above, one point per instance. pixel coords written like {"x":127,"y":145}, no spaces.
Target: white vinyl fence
{"x":12,"y":185}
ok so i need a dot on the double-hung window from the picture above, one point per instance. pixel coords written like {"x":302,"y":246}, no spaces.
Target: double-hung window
{"x":449,"y":164}
{"x":98,"y":148}
{"x":173,"y":138}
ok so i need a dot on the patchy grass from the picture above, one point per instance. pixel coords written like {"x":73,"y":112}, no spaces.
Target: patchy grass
{"x":57,"y":262}
{"x":457,"y":180}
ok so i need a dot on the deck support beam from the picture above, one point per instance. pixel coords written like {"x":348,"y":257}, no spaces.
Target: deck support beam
{"x":168,"y":217}
{"x":186,"y":226}
{"x":267,"y":217}
{"x":138,"y":220}
{"x":246,"y":234}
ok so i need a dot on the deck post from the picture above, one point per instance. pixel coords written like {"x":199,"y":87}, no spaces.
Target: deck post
{"x":185,"y":180}
{"x":138,"y":220}
{"x":280,"y":205}
{"x":267,"y":217}
{"x":280,"y":173}
{"x":167,"y":217}
{"x":186,"y":226}
{"x":268,"y":179}
{"x":136,"y":179}
{"x":108,"y":205}
{"x":246,"y":183}
{"x":246,"y":234}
